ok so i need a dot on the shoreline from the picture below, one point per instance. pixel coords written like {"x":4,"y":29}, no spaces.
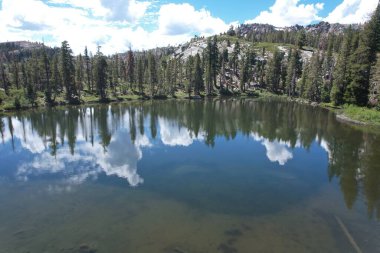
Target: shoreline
{"x":339,"y":111}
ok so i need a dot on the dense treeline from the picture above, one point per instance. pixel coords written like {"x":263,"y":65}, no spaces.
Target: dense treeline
{"x":343,"y":68}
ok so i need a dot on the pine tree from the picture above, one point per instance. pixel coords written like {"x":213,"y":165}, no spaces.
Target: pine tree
{"x":301,"y":40}
{"x":294,"y":71}
{"x":328,"y":69}
{"x":198,"y":78}
{"x":46,"y":68}
{"x":140,"y":75}
{"x":341,"y":73}
{"x":314,"y":80}
{"x":274,"y":71}
{"x":87,"y":63}
{"x":209,"y":66}
{"x":31,"y":95}
{"x":189,"y":75}
{"x":131,"y":68}
{"x":223,"y":64}
{"x":363,"y":59}
{"x":244,"y":72}
{"x":15,"y":73}
{"x":79,"y":74}
{"x":101,"y":75}
{"x":24,"y":75}
{"x":301,"y":85}
{"x":68,"y":73}
{"x":235,"y":56}
{"x":4,"y":77}
{"x":56,"y":76}
{"x":152,"y":71}
{"x":214,"y":60}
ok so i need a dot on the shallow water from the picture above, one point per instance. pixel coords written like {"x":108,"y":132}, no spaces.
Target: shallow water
{"x":186,"y":177}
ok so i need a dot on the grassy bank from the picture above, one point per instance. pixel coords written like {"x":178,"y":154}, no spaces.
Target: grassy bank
{"x":355,"y":114}
{"x":362,"y":114}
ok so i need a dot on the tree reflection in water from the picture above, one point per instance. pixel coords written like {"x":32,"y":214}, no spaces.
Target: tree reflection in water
{"x":109,"y":139}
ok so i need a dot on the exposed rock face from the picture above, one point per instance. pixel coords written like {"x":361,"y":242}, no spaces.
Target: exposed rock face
{"x":20,"y":45}
{"x":22,"y":48}
{"x":323,"y":28}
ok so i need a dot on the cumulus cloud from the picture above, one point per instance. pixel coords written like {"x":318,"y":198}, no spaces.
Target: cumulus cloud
{"x":352,"y":11}
{"x":289,"y":12}
{"x":174,"y":135}
{"x":183,"y":18}
{"x":277,"y":151}
{"x":122,"y":10}
{"x":112,"y":24}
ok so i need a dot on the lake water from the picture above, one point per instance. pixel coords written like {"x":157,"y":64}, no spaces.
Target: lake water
{"x":222,"y":176}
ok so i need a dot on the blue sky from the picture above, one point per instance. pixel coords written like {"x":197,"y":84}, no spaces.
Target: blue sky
{"x":118,"y":24}
{"x":242,"y":10}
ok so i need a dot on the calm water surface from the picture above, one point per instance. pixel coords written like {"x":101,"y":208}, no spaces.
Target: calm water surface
{"x":222,"y":176}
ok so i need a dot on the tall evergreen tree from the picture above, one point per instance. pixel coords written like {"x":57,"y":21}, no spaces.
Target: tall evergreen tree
{"x":328,"y":69}
{"x":140,"y":75}
{"x":131,"y":68}
{"x":101,"y":75}
{"x":294,"y":71}
{"x":314,"y":80}
{"x":46,"y":68}
{"x":209,"y":66}
{"x":301,"y":39}
{"x":152,"y":71}
{"x":79,"y":74}
{"x":4,"y":77}
{"x":274,"y":71}
{"x":24,"y":75}
{"x":15,"y":73}
{"x":362,"y":61}
{"x":244,"y":73}
{"x":189,"y":74}
{"x":341,"y":73}
{"x":87,"y":63}
{"x":235,"y":56}
{"x":68,"y":73}
{"x":56,"y":76}
{"x":198,"y":78}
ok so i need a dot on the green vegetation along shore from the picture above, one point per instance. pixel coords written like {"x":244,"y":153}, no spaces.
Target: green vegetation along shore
{"x":347,"y":113}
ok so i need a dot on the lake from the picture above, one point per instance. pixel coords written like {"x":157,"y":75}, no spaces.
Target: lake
{"x":228,"y":176}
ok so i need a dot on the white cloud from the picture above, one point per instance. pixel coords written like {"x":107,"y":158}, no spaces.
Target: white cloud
{"x":94,"y":6}
{"x":352,"y":11}
{"x":174,"y":135}
{"x":289,"y":12}
{"x":125,"y":10}
{"x":116,"y":10}
{"x":113,"y":24}
{"x":277,"y":151}
{"x":177,"y":19}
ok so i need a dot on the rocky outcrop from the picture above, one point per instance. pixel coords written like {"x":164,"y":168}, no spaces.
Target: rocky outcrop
{"x":323,"y":28}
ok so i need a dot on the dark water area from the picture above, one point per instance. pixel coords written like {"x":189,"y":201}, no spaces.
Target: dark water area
{"x":188,"y":177}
